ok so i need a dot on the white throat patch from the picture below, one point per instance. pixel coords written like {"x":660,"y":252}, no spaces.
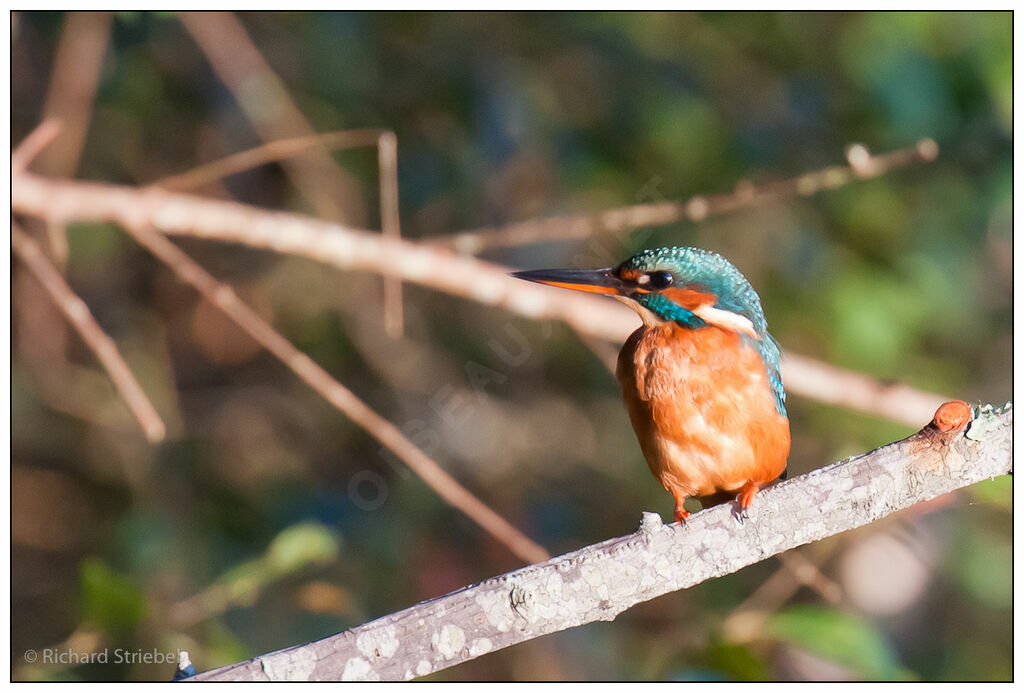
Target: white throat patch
{"x":726,"y":320}
{"x":649,"y":318}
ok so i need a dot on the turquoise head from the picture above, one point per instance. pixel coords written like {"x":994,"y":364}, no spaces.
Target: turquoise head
{"x":693,"y":287}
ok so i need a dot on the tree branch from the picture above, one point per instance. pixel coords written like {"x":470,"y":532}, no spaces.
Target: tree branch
{"x":861,"y":165}
{"x":263,"y":154}
{"x":62,"y":201}
{"x":263,"y":98}
{"x":387,"y":155}
{"x":225,"y":299}
{"x":387,"y":158}
{"x":340,"y":397}
{"x":71,"y":96}
{"x":78,"y":314}
{"x":598,"y":582}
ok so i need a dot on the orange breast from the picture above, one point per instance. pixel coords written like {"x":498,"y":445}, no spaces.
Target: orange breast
{"x":702,"y":408}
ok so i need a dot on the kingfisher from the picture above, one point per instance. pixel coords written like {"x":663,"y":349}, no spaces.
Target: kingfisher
{"x":700,"y":377}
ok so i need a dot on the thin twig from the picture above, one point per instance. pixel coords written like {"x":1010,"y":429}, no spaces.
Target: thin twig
{"x":468,"y":277}
{"x":796,"y":571}
{"x":861,"y":165}
{"x":746,"y":622}
{"x":70,"y":97}
{"x":387,"y":156}
{"x":77,"y":313}
{"x":387,"y":153}
{"x":77,"y":67}
{"x":34,"y":143}
{"x":223,"y":297}
{"x":278,"y":150}
{"x":264,"y":99}
{"x":598,"y":582}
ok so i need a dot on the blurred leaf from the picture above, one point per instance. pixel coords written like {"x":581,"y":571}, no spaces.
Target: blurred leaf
{"x":242,"y":584}
{"x":299,"y":546}
{"x":839,"y":637}
{"x":110,"y":601}
{"x":289,"y":552}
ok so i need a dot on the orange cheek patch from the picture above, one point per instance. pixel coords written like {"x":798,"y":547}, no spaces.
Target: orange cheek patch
{"x":690,"y":299}
{"x":702,"y":305}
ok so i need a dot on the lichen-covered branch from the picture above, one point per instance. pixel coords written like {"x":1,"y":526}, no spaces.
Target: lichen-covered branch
{"x":598,"y":582}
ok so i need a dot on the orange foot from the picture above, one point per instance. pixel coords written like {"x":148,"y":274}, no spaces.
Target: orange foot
{"x":746,"y":496}
{"x":743,"y":500}
{"x":681,"y":514}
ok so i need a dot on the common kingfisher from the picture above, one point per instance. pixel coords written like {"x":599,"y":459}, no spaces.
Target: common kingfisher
{"x":700,"y":378}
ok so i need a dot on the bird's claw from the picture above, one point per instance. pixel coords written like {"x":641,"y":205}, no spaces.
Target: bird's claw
{"x":743,"y":501}
{"x":740,"y":513}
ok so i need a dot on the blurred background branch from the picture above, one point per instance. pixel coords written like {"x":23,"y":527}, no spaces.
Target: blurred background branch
{"x":862,"y":165}
{"x":224,"y":298}
{"x":270,"y":110}
{"x":277,"y":150}
{"x":265,"y":100}
{"x":180,"y":214}
{"x":77,"y":313}
{"x":77,"y":68}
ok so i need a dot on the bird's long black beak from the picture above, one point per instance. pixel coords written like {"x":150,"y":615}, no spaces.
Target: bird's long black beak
{"x":596,"y":281}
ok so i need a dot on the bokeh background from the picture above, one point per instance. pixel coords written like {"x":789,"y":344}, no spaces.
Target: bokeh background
{"x":267,"y":519}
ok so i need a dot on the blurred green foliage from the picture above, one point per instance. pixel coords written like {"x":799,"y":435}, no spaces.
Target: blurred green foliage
{"x":838,"y":637}
{"x":268,"y":520}
{"x":110,"y":602}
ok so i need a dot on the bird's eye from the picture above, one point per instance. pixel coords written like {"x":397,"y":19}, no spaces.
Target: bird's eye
{"x":661,"y":279}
